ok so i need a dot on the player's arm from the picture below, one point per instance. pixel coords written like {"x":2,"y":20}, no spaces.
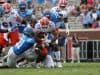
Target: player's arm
{"x":18,"y":17}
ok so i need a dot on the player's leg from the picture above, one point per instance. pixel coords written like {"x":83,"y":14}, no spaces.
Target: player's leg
{"x":3,"y":43}
{"x":21,"y":62}
{"x":63,"y":53}
{"x":28,"y":57}
{"x":57,"y":57}
{"x":49,"y":63}
{"x":38,"y":61}
{"x":78,"y":54}
{"x":73,"y":55}
{"x":11,"y":59}
{"x":41,"y":56}
{"x":14,"y":37}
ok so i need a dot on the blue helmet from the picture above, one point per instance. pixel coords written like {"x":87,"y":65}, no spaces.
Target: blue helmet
{"x":28,"y":31}
{"x":22,"y":4}
{"x":1,"y":10}
{"x":46,"y":13}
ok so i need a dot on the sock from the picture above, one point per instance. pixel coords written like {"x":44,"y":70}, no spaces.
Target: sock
{"x":57,"y":55}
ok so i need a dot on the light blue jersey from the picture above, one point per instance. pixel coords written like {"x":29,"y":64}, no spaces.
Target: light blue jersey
{"x":54,"y":17}
{"x":22,"y":14}
{"x":24,"y":44}
{"x":57,"y":19}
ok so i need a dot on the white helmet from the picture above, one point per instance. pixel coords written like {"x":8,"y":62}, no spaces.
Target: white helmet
{"x":6,"y":7}
{"x":62,"y":3}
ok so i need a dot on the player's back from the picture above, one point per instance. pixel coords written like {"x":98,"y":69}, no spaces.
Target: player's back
{"x":24,"y":44}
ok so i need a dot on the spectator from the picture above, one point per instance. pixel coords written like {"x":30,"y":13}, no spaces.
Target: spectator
{"x":75,"y":49}
{"x":96,"y":23}
{"x":97,"y":3}
{"x":94,"y":14}
{"x":85,"y":20}
{"x":98,"y":12}
{"x":83,"y":8}
{"x":90,"y":3}
{"x":98,"y":19}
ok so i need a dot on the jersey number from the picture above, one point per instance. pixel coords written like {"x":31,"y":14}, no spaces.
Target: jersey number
{"x":19,"y":44}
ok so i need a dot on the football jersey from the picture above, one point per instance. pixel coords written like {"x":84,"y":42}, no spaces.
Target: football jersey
{"x":23,"y":45}
{"x":22,"y":14}
{"x":64,"y":11}
{"x":51,"y":26}
{"x":57,"y":13}
{"x":9,"y":20}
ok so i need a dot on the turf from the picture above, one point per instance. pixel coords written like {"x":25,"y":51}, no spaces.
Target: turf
{"x":68,"y":69}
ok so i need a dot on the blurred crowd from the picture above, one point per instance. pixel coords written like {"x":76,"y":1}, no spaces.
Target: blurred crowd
{"x":89,"y":11}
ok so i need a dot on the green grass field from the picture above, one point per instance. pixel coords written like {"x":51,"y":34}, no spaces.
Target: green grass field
{"x":68,"y":69}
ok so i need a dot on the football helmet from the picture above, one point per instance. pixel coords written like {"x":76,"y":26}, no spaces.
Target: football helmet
{"x":6,"y":7}
{"x":22,"y":5}
{"x":47,"y":13}
{"x":62,"y":3}
{"x":28,"y":31}
{"x":44,"y":21}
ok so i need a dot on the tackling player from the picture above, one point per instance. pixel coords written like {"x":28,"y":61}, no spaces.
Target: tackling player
{"x":59,"y":17}
{"x":47,"y":28}
{"x":16,"y":51}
